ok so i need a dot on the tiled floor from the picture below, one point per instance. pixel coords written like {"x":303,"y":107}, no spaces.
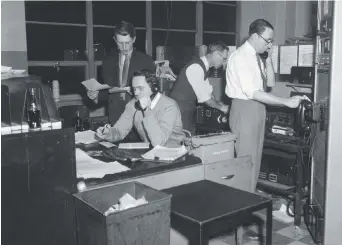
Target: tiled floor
{"x":283,"y":234}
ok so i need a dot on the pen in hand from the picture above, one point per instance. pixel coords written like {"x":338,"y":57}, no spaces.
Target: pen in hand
{"x":103,"y":132}
{"x":104,"y":128}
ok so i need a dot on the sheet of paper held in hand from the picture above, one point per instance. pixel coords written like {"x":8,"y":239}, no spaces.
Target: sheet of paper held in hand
{"x":88,"y":167}
{"x":94,"y":85}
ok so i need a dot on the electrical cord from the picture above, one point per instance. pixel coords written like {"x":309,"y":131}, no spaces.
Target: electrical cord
{"x":168,"y":20}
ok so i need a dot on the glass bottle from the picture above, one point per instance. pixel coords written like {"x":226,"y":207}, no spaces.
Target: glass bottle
{"x":33,"y":110}
{"x":78,"y":122}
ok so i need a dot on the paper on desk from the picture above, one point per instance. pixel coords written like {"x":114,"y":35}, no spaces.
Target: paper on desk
{"x":88,"y":167}
{"x":6,"y":70}
{"x":164,"y":153}
{"x":85,"y":137}
{"x":137,"y":145}
{"x":94,"y":85}
{"x":107,"y":144}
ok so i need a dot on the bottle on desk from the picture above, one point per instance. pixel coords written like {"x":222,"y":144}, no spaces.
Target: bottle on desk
{"x":33,"y":111}
{"x":78,"y":122}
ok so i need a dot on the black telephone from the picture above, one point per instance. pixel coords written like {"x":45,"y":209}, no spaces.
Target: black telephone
{"x":264,"y":55}
{"x":137,"y":103}
{"x":303,"y":117}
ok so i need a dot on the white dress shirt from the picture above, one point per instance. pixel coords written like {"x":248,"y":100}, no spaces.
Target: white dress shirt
{"x":201,"y":87}
{"x":243,"y":75}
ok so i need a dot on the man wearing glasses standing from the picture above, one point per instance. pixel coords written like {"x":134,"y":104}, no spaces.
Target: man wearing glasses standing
{"x":117,"y":70}
{"x":247,"y":81}
{"x":193,"y":85}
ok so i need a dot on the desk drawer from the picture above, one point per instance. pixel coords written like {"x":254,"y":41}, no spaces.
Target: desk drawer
{"x":237,"y":173}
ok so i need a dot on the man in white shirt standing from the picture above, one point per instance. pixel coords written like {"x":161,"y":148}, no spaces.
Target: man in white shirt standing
{"x":247,"y":79}
{"x":193,"y":85}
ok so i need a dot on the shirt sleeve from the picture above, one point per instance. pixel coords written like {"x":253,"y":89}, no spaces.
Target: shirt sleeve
{"x":201,"y":87}
{"x":125,"y":123}
{"x":159,"y":131}
{"x":244,"y":72}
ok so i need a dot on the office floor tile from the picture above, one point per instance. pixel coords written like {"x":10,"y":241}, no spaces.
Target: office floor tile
{"x":295,"y":233}
{"x":296,"y":243}
{"x":283,"y":234}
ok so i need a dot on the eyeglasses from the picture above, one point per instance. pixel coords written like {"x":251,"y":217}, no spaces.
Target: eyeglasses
{"x":267,"y":41}
{"x":224,"y":58}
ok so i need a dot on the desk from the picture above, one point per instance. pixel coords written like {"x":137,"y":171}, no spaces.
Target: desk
{"x":201,"y":210}
{"x":144,"y":171}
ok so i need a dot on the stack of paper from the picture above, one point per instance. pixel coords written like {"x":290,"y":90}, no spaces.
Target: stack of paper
{"x":85,"y":137}
{"x":88,"y":167}
{"x":138,"y":145}
{"x":8,"y":72}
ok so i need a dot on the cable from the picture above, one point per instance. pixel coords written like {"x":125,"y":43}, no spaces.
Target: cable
{"x":168,"y":20}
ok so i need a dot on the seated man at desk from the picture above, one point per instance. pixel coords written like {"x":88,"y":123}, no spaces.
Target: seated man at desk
{"x":156,"y":117}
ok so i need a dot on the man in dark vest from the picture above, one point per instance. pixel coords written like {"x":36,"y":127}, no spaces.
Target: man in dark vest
{"x":193,"y":85}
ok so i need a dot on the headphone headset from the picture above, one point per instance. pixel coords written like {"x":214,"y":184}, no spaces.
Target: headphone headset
{"x":154,"y":85}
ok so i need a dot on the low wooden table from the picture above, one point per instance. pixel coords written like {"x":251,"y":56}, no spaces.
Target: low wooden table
{"x":204,"y":209}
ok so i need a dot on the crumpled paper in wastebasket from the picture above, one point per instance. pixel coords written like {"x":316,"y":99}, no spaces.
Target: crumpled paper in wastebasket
{"x":126,"y":202}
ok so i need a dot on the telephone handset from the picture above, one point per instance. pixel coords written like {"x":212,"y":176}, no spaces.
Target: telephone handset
{"x":304,"y":115}
{"x":137,"y":103}
{"x":264,"y":55}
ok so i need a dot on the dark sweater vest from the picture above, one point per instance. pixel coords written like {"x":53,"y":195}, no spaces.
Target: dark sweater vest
{"x":182,"y":89}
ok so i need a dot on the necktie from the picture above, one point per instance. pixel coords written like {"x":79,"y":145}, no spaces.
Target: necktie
{"x":124,"y":72}
{"x":264,"y":78}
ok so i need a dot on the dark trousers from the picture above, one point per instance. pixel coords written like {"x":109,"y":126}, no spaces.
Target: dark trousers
{"x":247,"y":122}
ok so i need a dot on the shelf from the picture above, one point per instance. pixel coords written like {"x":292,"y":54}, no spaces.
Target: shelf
{"x":60,"y":63}
{"x":299,"y":85}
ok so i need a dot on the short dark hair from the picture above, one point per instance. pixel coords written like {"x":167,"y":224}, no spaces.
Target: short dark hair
{"x":124,"y":28}
{"x":217,"y":46}
{"x":149,"y":75}
{"x":258,"y":26}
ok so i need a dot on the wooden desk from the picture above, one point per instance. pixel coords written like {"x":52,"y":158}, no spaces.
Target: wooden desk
{"x":203,"y":209}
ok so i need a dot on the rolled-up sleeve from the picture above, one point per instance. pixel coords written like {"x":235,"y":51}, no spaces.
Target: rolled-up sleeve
{"x":201,"y":87}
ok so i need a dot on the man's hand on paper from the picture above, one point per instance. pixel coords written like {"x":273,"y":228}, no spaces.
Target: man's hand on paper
{"x":93,"y":95}
{"x":104,"y":133}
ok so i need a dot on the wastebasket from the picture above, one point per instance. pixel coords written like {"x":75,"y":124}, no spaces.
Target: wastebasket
{"x":145,"y":224}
